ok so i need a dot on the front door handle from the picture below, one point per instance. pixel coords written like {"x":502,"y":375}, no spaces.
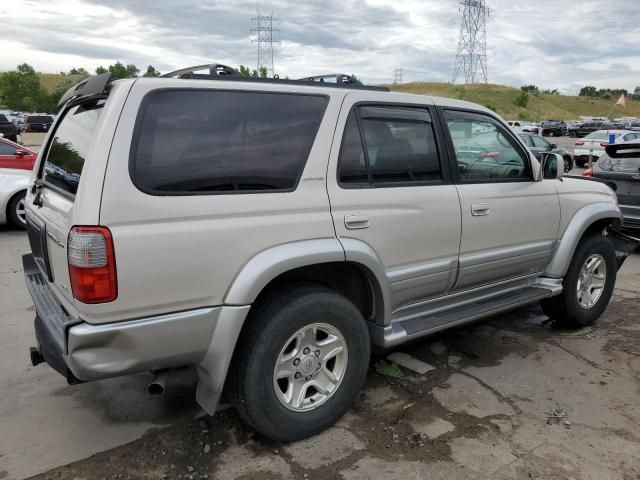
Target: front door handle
{"x":356,"y":221}
{"x":480,"y":209}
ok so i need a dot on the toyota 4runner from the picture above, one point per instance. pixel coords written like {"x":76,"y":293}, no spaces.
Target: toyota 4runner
{"x":269,"y":232}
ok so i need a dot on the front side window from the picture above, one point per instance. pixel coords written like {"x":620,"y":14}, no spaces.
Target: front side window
{"x":388,"y":147}
{"x":69,"y":148}
{"x":540,"y":142}
{"x":484,"y":150}
{"x":191,"y":142}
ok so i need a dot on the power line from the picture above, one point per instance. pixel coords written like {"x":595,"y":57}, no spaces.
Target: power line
{"x":471,"y":56}
{"x":263,"y":32}
{"x":397,"y":75}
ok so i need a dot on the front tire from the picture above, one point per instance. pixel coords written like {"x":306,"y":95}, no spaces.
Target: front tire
{"x":301,"y":362}
{"x":568,"y":164}
{"x":587,"y":286}
{"x":16,"y":211}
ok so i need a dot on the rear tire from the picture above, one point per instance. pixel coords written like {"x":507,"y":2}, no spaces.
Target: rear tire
{"x":17,"y":212}
{"x":280,"y":381}
{"x":568,"y":164}
{"x":572,"y":134}
{"x":587,"y":286}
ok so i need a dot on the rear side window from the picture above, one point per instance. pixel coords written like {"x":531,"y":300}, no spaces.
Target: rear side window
{"x":191,"y":142}
{"x":3,"y":119}
{"x":399,"y":148}
{"x":69,"y":147}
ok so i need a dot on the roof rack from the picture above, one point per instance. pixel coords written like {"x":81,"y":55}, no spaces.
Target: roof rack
{"x":218,"y":71}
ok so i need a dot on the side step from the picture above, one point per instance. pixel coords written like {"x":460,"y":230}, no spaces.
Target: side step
{"x":430,"y":322}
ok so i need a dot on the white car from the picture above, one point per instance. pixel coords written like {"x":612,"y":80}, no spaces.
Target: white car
{"x":596,"y":142}
{"x":13,"y":187}
{"x":523,"y":127}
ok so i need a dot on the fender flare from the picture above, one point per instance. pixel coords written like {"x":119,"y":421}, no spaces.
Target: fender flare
{"x":578,"y":225}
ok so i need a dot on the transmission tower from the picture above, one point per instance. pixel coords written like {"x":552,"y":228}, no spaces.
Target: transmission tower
{"x":471,"y":57}
{"x":397,"y":75}
{"x":263,"y":31}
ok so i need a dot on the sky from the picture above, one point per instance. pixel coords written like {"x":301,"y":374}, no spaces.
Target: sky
{"x":563,"y":44}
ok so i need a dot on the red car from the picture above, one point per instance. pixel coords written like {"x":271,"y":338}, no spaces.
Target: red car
{"x":13,"y":155}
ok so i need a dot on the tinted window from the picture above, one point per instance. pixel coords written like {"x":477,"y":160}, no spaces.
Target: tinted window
{"x":3,"y":119}
{"x":70,"y":145}
{"x":6,"y":149}
{"x":352,"y":166}
{"x":39,"y":119}
{"x":400,"y":147}
{"x":191,"y":142}
{"x":627,"y":164}
{"x":484,"y":150}
{"x":401,"y":150}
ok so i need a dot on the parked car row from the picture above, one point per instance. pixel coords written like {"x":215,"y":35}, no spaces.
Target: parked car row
{"x":595,"y":143}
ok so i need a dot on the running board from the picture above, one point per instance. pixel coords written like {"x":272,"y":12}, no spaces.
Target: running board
{"x":430,"y":322}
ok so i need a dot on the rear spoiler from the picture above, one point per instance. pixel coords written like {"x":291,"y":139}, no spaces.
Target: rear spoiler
{"x":92,"y":87}
{"x":623,"y":150}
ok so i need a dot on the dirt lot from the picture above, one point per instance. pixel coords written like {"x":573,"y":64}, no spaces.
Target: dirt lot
{"x":510,"y":398}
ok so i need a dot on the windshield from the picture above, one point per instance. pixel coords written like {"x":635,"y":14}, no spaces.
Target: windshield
{"x":70,"y":145}
{"x":621,"y":165}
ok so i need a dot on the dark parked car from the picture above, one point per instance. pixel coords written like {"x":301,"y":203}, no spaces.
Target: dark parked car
{"x":584,"y":129}
{"x":620,"y":165}
{"x":539,"y":146}
{"x":38,"y":123}
{"x":552,"y":128}
{"x":7,"y":129}
{"x":635,"y":126}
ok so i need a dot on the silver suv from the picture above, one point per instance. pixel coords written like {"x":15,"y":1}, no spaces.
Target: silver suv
{"x":269,"y":232}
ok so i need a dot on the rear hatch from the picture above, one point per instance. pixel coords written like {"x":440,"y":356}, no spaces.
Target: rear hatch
{"x":621,"y":165}
{"x":52,"y":199}
{"x":38,"y":123}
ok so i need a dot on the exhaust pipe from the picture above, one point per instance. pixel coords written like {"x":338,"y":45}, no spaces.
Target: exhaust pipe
{"x":158,"y":383}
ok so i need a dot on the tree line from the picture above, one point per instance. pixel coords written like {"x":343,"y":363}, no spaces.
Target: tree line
{"x":22,"y":90}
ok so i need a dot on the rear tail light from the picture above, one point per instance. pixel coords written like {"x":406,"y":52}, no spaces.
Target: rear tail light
{"x":579,"y":142}
{"x":588,"y":172}
{"x":92,"y":265}
{"x":604,"y":144}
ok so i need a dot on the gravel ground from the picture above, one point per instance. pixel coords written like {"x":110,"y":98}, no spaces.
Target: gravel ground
{"x":511,"y":398}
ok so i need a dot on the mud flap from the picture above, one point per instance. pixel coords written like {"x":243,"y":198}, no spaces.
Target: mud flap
{"x":623,"y":243}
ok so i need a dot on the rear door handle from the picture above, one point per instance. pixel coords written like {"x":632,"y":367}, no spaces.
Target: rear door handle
{"x":480,"y":209}
{"x":356,"y":221}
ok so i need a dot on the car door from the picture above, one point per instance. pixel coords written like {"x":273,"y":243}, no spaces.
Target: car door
{"x":388,"y":190}
{"x":509,"y":220}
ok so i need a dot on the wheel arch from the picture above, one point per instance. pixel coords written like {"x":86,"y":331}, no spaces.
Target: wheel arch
{"x":589,"y":219}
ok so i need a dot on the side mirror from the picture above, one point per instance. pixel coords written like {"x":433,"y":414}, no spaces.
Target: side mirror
{"x":552,"y":166}
{"x":552,"y":146}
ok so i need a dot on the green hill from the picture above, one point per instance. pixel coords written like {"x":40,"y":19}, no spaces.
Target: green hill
{"x":51,"y":80}
{"x":540,"y":107}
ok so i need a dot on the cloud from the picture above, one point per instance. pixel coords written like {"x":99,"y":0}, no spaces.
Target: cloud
{"x":550,"y":43}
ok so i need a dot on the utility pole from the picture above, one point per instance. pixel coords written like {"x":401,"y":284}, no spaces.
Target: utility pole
{"x":263,"y":31}
{"x":397,"y":75}
{"x":471,"y":56}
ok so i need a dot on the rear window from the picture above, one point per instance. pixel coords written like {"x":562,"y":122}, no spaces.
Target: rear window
{"x":3,"y":119}
{"x":70,"y":145}
{"x":192,"y":142}
{"x":39,"y":119}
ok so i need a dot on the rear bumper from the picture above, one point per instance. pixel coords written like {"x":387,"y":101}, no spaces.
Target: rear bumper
{"x":81,"y":351}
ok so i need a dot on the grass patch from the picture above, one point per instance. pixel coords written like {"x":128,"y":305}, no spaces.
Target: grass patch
{"x":538,"y":107}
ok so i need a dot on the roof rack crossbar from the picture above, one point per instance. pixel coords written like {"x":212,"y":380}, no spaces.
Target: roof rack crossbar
{"x":215,"y":70}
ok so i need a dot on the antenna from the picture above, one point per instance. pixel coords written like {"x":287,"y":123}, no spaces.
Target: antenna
{"x":263,"y":32}
{"x":471,"y":57}
{"x":397,"y":75}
